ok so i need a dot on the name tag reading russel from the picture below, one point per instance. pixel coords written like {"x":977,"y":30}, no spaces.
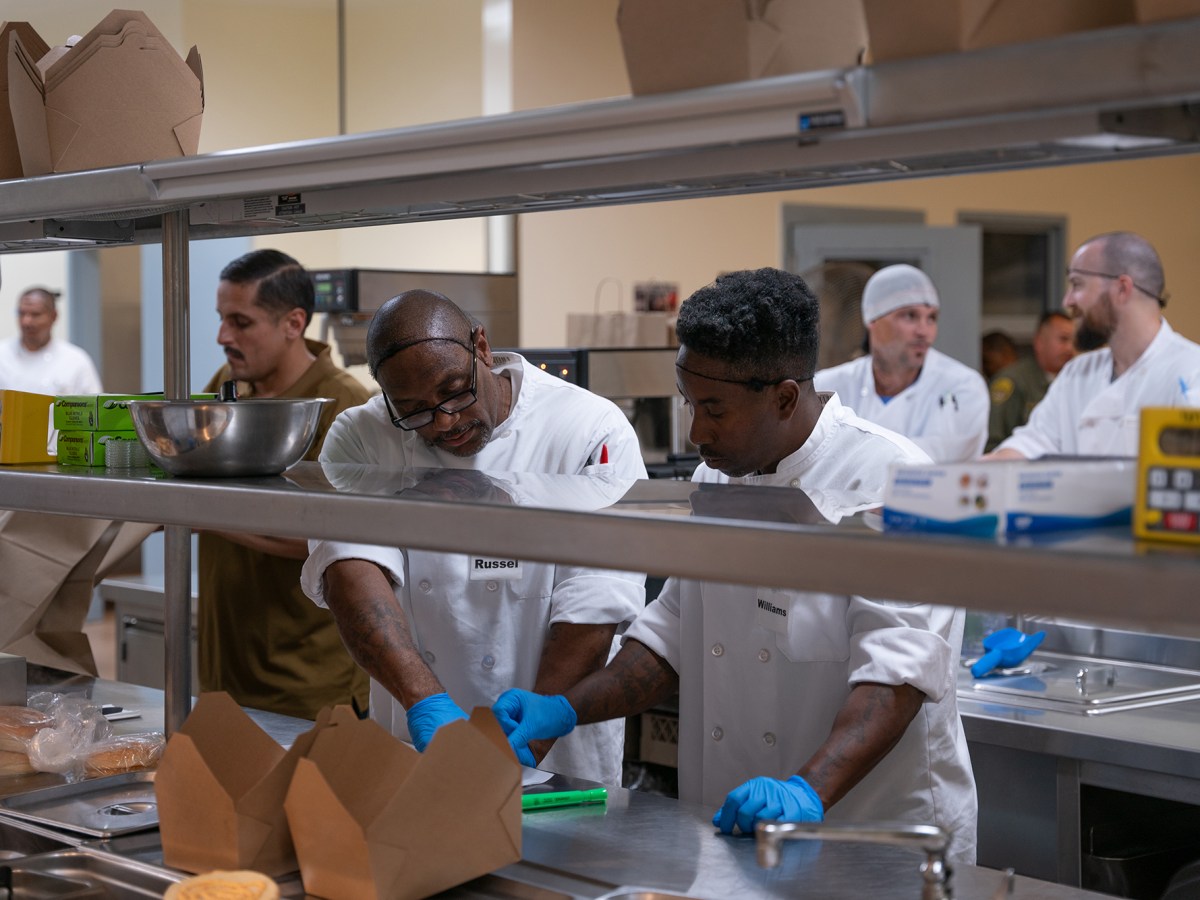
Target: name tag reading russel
{"x":495,"y":568}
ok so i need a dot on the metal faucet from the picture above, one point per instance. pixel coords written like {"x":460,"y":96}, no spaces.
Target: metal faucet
{"x":935,"y":872}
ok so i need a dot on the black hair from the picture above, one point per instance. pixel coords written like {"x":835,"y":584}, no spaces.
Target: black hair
{"x":764,"y":323}
{"x":1050,"y":316}
{"x":283,"y":284}
{"x":996,"y":341}
{"x":49,"y":296}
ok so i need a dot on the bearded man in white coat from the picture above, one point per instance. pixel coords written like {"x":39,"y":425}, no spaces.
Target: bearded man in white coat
{"x":1115,"y":292}
{"x":904,"y":384}
{"x":792,"y":705}
{"x":440,"y":633}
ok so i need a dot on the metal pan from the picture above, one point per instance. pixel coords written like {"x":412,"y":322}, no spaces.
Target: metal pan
{"x":98,"y":807}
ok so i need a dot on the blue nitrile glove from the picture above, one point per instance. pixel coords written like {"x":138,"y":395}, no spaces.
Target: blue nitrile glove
{"x":526,"y":716}
{"x":793,"y":800}
{"x":428,"y":715}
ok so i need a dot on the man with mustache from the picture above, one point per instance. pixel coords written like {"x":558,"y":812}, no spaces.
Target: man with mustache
{"x":904,"y":384}
{"x":260,"y":639}
{"x":441,"y":633}
{"x":1115,"y":292}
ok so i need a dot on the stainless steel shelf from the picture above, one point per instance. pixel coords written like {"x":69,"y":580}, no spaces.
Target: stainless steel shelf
{"x":1105,"y":94}
{"x":1092,"y":575}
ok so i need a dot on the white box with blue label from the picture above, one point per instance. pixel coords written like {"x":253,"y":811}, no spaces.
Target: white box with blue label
{"x":1010,"y":496}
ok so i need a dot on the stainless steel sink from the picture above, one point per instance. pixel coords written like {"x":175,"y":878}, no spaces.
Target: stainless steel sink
{"x":18,"y":839}
{"x":80,"y":873}
{"x":1087,"y":685}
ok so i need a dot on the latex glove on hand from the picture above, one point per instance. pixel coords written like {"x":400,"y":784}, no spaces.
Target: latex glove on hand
{"x":428,"y":715}
{"x":793,"y":800}
{"x":526,"y":716}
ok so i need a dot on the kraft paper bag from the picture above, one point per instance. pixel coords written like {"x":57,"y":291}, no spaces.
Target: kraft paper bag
{"x":49,"y":566}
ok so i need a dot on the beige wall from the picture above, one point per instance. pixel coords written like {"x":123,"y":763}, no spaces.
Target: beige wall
{"x":566,"y":255}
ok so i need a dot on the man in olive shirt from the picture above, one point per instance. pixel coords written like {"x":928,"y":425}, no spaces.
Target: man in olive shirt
{"x":260,"y":638}
{"x":1019,"y":387}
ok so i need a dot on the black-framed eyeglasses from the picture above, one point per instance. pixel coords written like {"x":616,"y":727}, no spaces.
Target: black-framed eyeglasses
{"x":1162,"y":300}
{"x":450,"y":406}
{"x":755,"y":384}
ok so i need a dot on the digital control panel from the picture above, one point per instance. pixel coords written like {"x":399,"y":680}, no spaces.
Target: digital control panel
{"x":1168,"y":494}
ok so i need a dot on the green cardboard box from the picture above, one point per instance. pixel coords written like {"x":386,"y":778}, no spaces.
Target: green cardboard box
{"x":101,"y":412}
{"x":86,"y":448}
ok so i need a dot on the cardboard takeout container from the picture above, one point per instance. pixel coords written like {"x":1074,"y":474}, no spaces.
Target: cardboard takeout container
{"x":673,"y":45}
{"x":220,"y":788}
{"x":361,"y":814}
{"x":120,"y":95}
{"x":898,"y":30}
{"x":372,"y":819}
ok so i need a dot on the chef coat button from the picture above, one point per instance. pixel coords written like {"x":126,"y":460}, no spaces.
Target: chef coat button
{"x":429,"y":657}
{"x":491,"y":585}
{"x":764,"y":655}
{"x":769,"y":739}
{"x":717,"y":650}
{"x":489,"y":661}
{"x":718,"y":733}
{"x":426,"y":586}
{"x":795,"y":482}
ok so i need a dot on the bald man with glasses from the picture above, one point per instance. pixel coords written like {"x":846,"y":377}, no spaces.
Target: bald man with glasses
{"x":440,"y":633}
{"x":1115,"y":292}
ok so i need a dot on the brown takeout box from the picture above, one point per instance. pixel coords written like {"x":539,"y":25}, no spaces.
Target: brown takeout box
{"x":220,"y":788}
{"x":372,"y":818}
{"x":1158,"y":10}
{"x":120,"y":95}
{"x":673,"y":45}
{"x":898,"y":30}
{"x":10,"y":154}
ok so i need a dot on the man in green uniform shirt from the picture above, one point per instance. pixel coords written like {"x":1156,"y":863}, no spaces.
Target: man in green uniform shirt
{"x":1019,"y":387}
{"x":260,"y":638}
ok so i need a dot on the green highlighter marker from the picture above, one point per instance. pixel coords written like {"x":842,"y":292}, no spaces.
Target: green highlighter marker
{"x":548,"y":799}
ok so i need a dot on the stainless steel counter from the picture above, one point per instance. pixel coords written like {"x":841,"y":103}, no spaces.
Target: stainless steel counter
{"x":638,"y":840}
{"x":654,"y":842}
{"x":1159,"y":739}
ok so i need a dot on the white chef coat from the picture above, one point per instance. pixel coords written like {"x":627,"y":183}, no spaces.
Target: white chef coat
{"x":759,"y":690}
{"x":481,"y":628}
{"x":944,"y":412}
{"x":1087,"y":412}
{"x":58,"y":368}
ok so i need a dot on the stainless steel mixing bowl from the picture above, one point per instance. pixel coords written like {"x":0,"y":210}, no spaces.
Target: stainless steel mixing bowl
{"x":215,"y":438}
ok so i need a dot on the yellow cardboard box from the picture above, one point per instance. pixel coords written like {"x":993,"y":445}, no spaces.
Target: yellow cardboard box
{"x":25,"y":427}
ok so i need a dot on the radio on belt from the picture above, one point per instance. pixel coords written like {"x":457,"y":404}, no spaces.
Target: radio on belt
{"x":1168,"y":485}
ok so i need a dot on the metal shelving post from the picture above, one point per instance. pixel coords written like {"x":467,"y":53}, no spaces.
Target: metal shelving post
{"x":177,"y":539}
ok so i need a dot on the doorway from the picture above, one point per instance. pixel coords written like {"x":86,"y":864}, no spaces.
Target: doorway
{"x":951,"y":256}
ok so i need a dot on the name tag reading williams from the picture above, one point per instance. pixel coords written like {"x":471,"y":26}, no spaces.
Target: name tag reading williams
{"x":773,"y":609}
{"x":495,"y":568}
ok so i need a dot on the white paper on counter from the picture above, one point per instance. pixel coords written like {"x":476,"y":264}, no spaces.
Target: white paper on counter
{"x":533,"y":776}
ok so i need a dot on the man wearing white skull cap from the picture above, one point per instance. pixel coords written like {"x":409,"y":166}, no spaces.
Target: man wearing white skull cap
{"x":904,"y":384}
